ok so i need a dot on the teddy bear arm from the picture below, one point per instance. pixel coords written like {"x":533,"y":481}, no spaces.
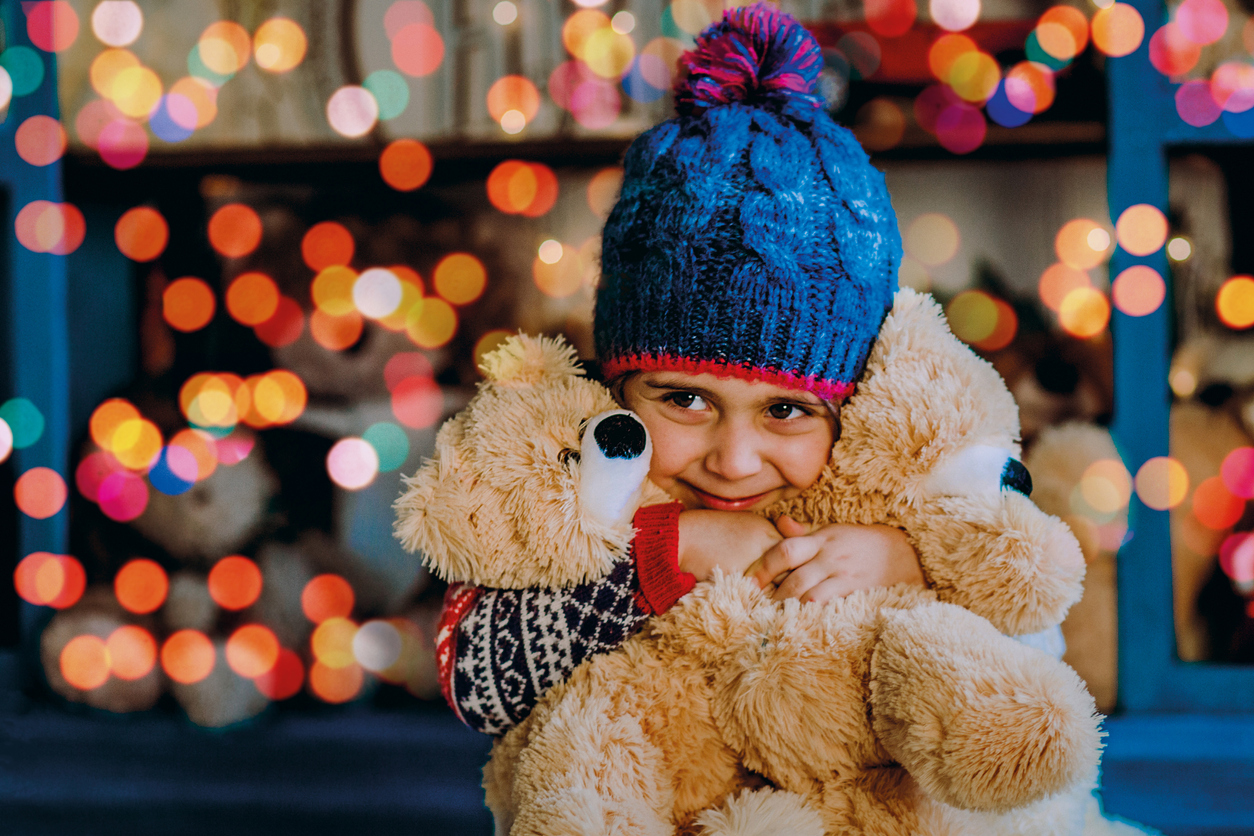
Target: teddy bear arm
{"x":979,"y":720}
{"x":1000,"y":557}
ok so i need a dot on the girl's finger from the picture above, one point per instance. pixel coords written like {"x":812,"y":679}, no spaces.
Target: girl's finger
{"x":800,"y":580}
{"x":826,"y":591}
{"x":791,"y":528}
{"x":785,"y":556}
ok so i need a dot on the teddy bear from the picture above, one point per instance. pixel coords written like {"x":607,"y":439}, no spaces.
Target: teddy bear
{"x":892,"y":711}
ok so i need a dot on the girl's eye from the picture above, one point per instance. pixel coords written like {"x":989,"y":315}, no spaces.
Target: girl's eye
{"x":686,"y":400}
{"x":785,"y":411}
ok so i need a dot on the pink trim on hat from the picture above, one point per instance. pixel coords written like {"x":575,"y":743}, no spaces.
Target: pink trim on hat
{"x":828,"y":390}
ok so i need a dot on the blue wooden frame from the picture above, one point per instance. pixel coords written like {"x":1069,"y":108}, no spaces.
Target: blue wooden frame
{"x":35,"y":286}
{"x":1143,"y":126}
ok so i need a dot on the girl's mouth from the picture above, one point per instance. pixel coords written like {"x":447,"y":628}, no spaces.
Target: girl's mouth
{"x":719,"y":503}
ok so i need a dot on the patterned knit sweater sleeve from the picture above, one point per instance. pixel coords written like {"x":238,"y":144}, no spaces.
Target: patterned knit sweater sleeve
{"x":499,"y":650}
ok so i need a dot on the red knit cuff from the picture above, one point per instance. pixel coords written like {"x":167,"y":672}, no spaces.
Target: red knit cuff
{"x":656,"y":550}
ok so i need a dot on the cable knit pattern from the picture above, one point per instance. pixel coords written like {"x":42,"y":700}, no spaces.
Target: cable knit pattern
{"x":752,"y":235}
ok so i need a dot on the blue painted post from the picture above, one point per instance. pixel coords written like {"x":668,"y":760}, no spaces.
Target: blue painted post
{"x":38,"y":349}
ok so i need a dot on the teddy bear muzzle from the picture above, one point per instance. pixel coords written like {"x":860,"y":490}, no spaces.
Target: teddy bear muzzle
{"x":615,"y":452}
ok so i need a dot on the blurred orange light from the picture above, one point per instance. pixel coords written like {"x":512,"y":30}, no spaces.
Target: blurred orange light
{"x":40,"y":492}
{"x":332,"y":290}
{"x":1057,"y":281}
{"x":560,"y":278}
{"x":224,"y":47}
{"x":105,"y":68}
{"x":188,"y":656}
{"x":141,"y":585}
{"x":945,"y":50}
{"x":132,"y":652}
{"x":188,"y":304}
{"x":107,"y":417}
{"x":1118,"y":29}
{"x":201,"y":446}
{"x":603,"y":190}
{"x":85,"y":662}
{"x":40,"y":140}
{"x":234,"y":583}
{"x":432,"y":323}
{"x":1084,"y":312}
{"x":579,"y":27}
{"x":513,"y":92}
{"x":141,"y":234}
{"x":285,"y":326}
{"x":46,"y":227}
{"x":1141,"y":229}
{"x":1074,"y":244}
{"x":1162,"y":483}
{"x":1074,"y":21}
{"x":1235,"y":302}
{"x":279,"y":45}
{"x":325,"y":245}
{"x":1030,"y":85}
{"x":327,"y":596}
{"x":136,"y":444}
{"x":50,"y":580}
{"x":1214,"y":505}
{"x":336,"y":333}
{"x":284,"y":679}
{"x":135,"y":91}
{"x":417,"y":49}
{"x":332,"y":642}
{"x":1138,"y":291}
{"x":460,"y":278}
{"x":252,"y":298}
{"x":235,"y":230}
{"x":335,"y":685}
{"x":252,"y":651}
{"x":405,"y":164}
{"x":202,"y":95}
{"x":279,"y":397}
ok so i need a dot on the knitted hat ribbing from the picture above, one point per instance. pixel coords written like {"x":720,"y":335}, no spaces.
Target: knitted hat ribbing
{"x":752,"y":236}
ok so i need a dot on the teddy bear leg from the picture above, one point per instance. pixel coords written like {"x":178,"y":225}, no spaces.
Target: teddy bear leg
{"x":880,"y":801}
{"x":590,"y":770}
{"x":762,"y":812}
{"x":979,"y":720}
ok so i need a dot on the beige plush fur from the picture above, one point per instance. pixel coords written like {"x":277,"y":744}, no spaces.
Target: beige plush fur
{"x":892,"y":711}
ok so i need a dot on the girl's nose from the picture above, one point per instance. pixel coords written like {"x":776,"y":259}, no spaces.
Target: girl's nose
{"x":734,"y":452}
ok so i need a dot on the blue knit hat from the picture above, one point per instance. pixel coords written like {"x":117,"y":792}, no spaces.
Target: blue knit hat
{"x":752,"y":237}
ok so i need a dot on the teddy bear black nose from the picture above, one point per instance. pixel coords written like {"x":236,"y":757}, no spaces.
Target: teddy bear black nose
{"x":620,"y":437}
{"x":1015,"y":477}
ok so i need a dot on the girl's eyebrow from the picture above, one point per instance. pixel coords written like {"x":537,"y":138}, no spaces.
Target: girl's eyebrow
{"x":800,"y":399}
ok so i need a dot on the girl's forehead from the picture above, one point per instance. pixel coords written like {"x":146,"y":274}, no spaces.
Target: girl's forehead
{"x":724,"y":387}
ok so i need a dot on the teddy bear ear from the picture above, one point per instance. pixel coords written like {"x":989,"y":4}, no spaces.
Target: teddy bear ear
{"x":525,"y":361}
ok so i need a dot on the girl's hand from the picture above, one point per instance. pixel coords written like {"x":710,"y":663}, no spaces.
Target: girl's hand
{"x":730,"y":540}
{"x":835,"y":560}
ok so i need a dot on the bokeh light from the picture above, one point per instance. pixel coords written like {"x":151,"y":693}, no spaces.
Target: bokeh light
{"x":1029,"y":88}
{"x":327,"y":596}
{"x":1215,"y":506}
{"x":889,"y":18}
{"x":1195,"y":104}
{"x":1138,"y":290}
{"x":931,"y":239}
{"x":24,"y":67}
{"x":40,"y":492}
{"x":174,"y":472}
{"x":6,"y":440}
{"x":252,"y":298}
{"x":203,"y":97}
{"x":285,"y":326}
{"x":1117,"y":29}
{"x":252,"y":650}
{"x":122,"y":496}
{"x":982,"y":320}
{"x":352,"y":463}
{"x":279,"y":45}
{"x":513,"y":93}
{"x":335,"y":685}
{"x":188,"y":304}
{"x":84,"y":662}
{"x":25,"y":421}
{"x":559,"y":272}
{"x":278,"y":397}
{"x":235,"y":582}
{"x":136,"y":444}
{"x":141,"y":585}
{"x":352,"y":111}
{"x":117,"y":22}
{"x":1084,"y":312}
{"x":224,"y":47}
{"x":332,"y":290}
{"x":122,"y":144}
{"x":417,"y":401}
{"x":1172,"y":53}
{"x":1106,"y":486}
{"x":326,"y":244}
{"x":1234,"y":303}
{"x":141,"y":233}
{"x":405,"y":164}
{"x":417,"y":49}
{"x":332,"y":642}
{"x":132,"y":652}
{"x":285,"y":679}
{"x":336,"y":332}
{"x":603,"y":190}
{"x":390,"y":91}
{"x":460,"y":278}
{"x":505,"y":12}
{"x":1236,"y":558}
{"x":401,"y":13}
{"x":1063,"y":32}
{"x":46,"y":227}
{"x":135,"y":91}
{"x":1141,"y":229}
{"x":377,"y":292}
{"x":377,"y":645}
{"x":1232,"y":86}
{"x":432,"y":323}
{"x":954,"y":15}
{"x":390,"y":444}
{"x":1202,"y":21}
{"x":517,"y":187}
{"x":1237,"y":472}
{"x":1074,"y":244}
{"x":40,"y":140}
{"x":235,"y":230}
{"x":188,"y":656}
{"x":50,"y":580}
{"x":1162,"y":483}
{"x":51,"y":24}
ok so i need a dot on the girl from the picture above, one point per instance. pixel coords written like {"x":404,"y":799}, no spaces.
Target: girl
{"x":746,"y":270}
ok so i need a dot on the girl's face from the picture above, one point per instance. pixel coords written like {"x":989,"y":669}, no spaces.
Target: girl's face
{"x":728,"y":444}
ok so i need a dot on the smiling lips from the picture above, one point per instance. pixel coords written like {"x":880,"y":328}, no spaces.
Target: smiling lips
{"x":718,"y":503}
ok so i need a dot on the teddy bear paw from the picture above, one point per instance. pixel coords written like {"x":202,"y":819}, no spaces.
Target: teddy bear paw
{"x":582,"y":812}
{"x":764,"y":812}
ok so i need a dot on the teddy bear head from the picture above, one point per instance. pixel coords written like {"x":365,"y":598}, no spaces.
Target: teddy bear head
{"x":535,"y":482}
